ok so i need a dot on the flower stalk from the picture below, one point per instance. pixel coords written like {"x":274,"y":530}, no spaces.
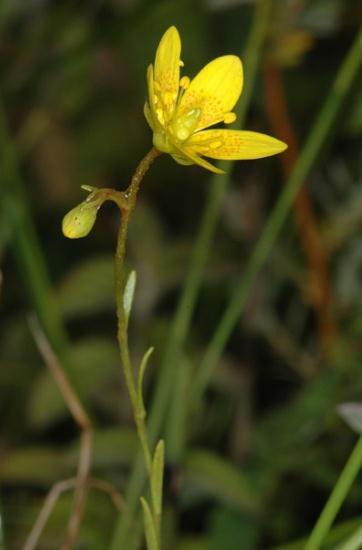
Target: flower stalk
{"x":77,"y":224}
{"x":155,"y":465}
{"x":122,"y":334}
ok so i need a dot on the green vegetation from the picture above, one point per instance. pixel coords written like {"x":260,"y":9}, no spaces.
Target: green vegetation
{"x":248,"y":285}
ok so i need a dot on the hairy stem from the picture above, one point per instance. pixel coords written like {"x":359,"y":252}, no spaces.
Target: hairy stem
{"x":122,"y":334}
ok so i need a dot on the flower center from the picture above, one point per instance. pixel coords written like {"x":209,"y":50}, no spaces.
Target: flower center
{"x":185,"y":125}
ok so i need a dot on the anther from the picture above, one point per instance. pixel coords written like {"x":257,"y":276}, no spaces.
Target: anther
{"x":184,"y":82}
{"x":229,"y":118}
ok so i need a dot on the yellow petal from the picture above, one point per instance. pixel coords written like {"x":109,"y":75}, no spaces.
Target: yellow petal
{"x":167,"y":69}
{"x":149,"y":116}
{"x":234,"y":144}
{"x":155,"y":113}
{"x":214,"y":90}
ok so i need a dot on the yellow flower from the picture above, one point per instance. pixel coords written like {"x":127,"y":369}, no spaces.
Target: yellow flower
{"x":179,"y":110}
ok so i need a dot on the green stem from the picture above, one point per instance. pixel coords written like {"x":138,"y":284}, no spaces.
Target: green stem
{"x":122,"y":333}
{"x":336,"y":499}
{"x":354,"y":542}
{"x":131,"y":196}
{"x":218,"y":185}
{"x":317,"y":138}
{"x":334,"y":537}
{"x":183,"y":316}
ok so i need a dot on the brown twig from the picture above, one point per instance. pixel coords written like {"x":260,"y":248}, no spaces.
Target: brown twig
{"x":46,"y":510}
{"x":80,"y":495}
{"x":54,"y":494}
{"x":81,"y":418}
{"x":309,"y":232}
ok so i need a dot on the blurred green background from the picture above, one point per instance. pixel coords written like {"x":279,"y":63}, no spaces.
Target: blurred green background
{"x":251,"y":465}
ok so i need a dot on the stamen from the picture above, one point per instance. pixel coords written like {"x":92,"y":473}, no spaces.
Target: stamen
{"x":229,"y":118}
{"x":181,"y":63}
{"x":192,"y":116}
{"x":184,"y":82}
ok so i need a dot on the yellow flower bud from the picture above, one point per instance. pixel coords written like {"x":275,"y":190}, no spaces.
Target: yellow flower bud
{"x":78,"y":222}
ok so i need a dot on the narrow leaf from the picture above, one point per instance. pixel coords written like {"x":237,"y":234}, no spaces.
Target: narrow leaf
{"x":129,"y":293}
{"x":352,"y":415}
{"x":150,"y":530}
{"x":354,"y":542}
{"x":141,"y":375}
{"x":157,"y":477}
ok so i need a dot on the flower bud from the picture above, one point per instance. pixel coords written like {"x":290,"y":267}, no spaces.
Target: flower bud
{"x":80,"y":220}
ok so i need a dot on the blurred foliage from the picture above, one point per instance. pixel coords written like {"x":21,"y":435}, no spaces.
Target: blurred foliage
{"x":265,"y":446}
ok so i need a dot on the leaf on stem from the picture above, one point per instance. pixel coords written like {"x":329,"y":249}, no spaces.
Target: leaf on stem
{"x":150,"y":529}
{"x":89,"y":188}
{"x":141,"y":375}
{"x":157,"y":477}
{"x":128,"y":293}
{"x":352,"y":415}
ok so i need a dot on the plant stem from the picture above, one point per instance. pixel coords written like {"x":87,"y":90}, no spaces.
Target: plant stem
{"x":131,"y":196}
{"x":317,"y":138}
{"x":354,"y":542}
{"x":183,"y":316}
{"x":186,"y":306}
{"x":309,"y":232}
{"x":203,"y":245}
{"x":336,"y":499}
